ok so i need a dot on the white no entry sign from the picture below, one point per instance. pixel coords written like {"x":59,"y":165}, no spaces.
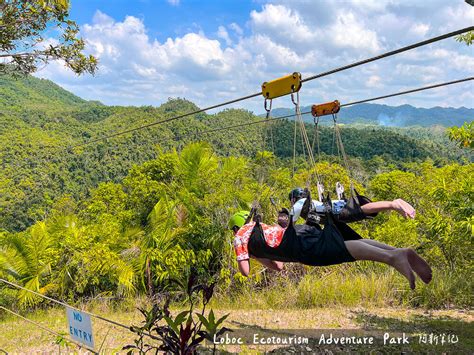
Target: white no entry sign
{"x":80,"y":327}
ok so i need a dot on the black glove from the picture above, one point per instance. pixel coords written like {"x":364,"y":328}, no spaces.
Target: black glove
{"x":307,"y":206}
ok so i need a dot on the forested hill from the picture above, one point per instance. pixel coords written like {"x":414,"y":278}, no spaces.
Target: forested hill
{"x":30,"y":92}
{"x":396,"y":116}
{"x":39,"y":121}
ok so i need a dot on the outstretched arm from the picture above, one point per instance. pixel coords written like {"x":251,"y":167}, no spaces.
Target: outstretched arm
{"x":399,"y":205}
{"x":244,"y":267}
{"x":271,"y":264}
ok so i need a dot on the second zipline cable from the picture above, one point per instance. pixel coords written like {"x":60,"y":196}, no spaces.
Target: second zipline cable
{"x":342,"y":105}
{"x":65,"y":304}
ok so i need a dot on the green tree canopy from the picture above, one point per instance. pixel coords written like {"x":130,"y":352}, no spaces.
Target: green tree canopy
{"x":464,"y":135}
{"x":467,"y":38}
{"x":22,"y":27}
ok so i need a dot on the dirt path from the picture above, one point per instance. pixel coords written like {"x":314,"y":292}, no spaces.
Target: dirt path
{"x":18,"y":336}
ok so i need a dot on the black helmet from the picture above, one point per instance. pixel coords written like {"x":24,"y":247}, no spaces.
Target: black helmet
{"x":296,"y":194}
{"x":284,"y":211}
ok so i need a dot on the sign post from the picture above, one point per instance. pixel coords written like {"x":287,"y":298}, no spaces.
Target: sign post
{"x":80,"y":327}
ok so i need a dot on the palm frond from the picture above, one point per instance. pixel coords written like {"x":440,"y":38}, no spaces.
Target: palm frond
{"x":12,"y":263}
{"x":125,"y":275}
{"x":28,"y":299}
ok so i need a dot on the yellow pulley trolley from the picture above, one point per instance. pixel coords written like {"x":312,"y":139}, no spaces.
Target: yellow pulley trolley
{"x":282,"y":86}
{"x":328,"y":108}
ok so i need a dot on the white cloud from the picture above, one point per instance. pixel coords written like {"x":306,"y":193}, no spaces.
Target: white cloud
{"x":419,"y":29}
{"x":458,"y":14}
{"x":423,"y":74}
{"x":236,"y":28}
{"x":126,"y":46}
{"x":348,"y":31}
{"x":281,"y":22}
{"x":276,"y":56}
{"x":279,"y":38}
{"x":173,"y":2}
{"x":374,"y":81}
{"x":222,"y":33}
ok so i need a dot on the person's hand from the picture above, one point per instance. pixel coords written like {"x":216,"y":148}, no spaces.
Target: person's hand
{"x":257,"y":217}
{"x":404,"y":208}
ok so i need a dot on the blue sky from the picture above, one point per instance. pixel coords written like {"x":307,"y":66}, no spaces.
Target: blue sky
{"x":163,"y":19}
{"x":214,"y":51}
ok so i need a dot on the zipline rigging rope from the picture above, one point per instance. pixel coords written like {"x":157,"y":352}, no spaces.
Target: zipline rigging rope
{"x":305,"y":141}
{"x":365,"y":61}
{"x":342,"y":152}
{"x":303,"y":132}
{"x":316,"y":137}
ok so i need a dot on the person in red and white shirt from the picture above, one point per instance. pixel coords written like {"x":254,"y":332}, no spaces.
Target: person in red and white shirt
{"x":272,"y":245}
{"x":273,"y":235}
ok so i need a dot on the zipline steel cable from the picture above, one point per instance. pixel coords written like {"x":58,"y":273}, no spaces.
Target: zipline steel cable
{"x":342,"y":105}
{"x":72,"y":307}
{"x":46,"y":328}
{"x":333,"y":71}
{"x":66,"y":305}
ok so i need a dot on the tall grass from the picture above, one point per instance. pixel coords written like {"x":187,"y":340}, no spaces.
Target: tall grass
{"x":363,"y":284}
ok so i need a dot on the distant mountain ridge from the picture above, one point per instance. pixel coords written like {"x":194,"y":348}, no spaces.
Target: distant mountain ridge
{"x":395,"y":116}
{"x":31,"y":92}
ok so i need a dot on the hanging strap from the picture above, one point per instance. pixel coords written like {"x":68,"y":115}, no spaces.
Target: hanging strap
{"x":252,"y":212}
{"x":303,"y":150}
{"x":342,"y":151}
{"x":316,"y":138}
{"x":268,"y":125}
{"x":302,"y":126}
{"x":318,"y":150}
{"x":294,"y":147}
{"x":304,"y":136}
{"x":319,"y":110}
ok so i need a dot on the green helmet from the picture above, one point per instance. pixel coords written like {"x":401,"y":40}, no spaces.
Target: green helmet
{"x":238,"y":219}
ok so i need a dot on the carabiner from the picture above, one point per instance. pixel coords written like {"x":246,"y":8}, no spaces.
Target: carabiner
{"x":268,"y":109}
{"x":297,"y":98}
